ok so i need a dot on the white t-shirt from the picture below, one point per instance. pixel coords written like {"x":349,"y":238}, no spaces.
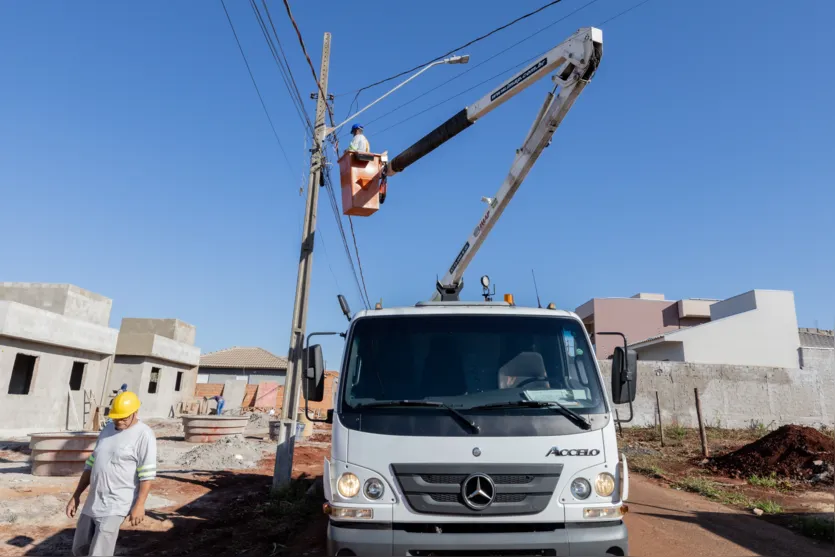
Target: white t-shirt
{"x":119,"y":462}
{"x":359,"y":143}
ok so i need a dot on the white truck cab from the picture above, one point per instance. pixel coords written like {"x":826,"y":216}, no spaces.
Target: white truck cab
{"x":468,"y":428}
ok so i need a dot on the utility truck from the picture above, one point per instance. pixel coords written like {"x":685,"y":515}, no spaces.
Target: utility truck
{"x":478,"y":428}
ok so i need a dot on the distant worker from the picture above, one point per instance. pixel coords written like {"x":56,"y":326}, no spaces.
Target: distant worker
{"x":220,"y":403}
{"x":118,"y":474}
{"x":359,"y":142}
{"x":123,"y":388}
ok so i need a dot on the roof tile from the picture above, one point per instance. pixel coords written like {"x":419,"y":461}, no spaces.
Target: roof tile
{"x":243,"y":357}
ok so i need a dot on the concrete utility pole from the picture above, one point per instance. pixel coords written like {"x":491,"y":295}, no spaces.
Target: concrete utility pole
{"x":287,"y":434}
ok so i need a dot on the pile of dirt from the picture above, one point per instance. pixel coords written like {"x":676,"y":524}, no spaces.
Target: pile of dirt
{"x":795,"y":452}
{"x":260,"y":421}
{"x":229,"y":453}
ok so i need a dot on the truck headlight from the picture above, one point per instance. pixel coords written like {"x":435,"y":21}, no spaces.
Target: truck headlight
{"x":581,"y":488}
{"x":604,"y":485}
{"x":348,"y":485}
{"x":374,"y":488}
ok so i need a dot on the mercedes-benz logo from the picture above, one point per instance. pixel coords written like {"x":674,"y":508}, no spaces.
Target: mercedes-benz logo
{"x":478,"y":491}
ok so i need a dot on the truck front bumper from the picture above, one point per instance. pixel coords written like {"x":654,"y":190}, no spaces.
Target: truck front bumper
{"x":587,"y":539}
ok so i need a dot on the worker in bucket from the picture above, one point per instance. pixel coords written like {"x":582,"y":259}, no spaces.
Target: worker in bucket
{"x":118,"y":474}
{"x":359,"y":142}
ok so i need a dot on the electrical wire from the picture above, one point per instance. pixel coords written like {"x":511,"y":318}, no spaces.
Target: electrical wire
{"x":337,"y":215}
{"x":456,"y":95}
{"x":326,"y":175}
{"x":255,"y":84}
{"x":638,"y":5}
{"x":465,"y":45}
{"x":359,"y":263}
{"x":494,"y":56}
{"x":281,"y":62}
{"x":312,"y":70}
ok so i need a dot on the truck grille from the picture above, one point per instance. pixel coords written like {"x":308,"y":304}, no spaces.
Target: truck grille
{"x":456,"y":497}
{"x":436,"y":488}
{"x":483,"y":553}
{"x":458,"y":478}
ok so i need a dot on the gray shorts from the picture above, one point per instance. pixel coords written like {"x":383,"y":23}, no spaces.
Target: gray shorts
{"x":96,"y":535}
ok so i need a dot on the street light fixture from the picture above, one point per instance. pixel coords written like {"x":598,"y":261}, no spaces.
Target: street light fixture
{"x":463,"y":59}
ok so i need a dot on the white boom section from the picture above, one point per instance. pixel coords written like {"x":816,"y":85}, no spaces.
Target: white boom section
{"x":575,"y":60}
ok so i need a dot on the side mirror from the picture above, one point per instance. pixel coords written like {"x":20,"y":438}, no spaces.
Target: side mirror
{"x":343,"y":305}
{"x":314,"y":374}
{"x":624,"y":375}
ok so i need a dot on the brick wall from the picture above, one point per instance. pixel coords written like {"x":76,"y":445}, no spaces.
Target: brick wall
{"x":208,"y":390}
{"x":212,"y":389}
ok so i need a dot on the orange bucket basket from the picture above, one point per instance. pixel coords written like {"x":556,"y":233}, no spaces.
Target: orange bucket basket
{"x":359,"y":178}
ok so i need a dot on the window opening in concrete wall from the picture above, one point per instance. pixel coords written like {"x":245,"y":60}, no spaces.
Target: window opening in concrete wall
{"x":22,"y":374}
{"x":77,"y":375}
{"x":179,"y":381}
{"x":152,"y":384}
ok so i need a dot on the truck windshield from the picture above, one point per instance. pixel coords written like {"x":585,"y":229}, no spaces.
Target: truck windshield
{"x":470,"y":361}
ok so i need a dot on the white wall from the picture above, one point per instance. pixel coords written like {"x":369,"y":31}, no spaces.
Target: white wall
{"x":42,"y":326}
{"x":136,"y":372}
{"x":732,"y":396}
{"x":758,"y":328}
{"x":47,"y":406}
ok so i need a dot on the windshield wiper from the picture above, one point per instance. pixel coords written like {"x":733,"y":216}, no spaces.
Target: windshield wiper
{"x":578,"y":420}
{"x":425,"y":404}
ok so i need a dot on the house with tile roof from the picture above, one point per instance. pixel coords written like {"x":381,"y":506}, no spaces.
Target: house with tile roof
{"x":253,"y":364}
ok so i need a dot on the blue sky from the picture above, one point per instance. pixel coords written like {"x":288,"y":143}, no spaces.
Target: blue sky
{"x":136,"y":160}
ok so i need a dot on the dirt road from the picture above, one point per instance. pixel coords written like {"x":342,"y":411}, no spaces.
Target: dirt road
{"x":663,"y":522}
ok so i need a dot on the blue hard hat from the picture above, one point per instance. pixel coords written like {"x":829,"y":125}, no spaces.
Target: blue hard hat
{"x":356,"y":127}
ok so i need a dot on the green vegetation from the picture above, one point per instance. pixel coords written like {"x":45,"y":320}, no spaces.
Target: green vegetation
{"x":768,"y":507}
{"x":646,"y":468}
{"x":770,"y":481}
{"x":676,"y":432}
{"x":712,"y":490}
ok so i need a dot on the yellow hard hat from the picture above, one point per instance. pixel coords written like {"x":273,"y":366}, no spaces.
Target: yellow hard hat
{"x":124,"y":405}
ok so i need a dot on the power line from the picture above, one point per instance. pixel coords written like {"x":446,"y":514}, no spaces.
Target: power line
{"x":282,"y":63}
{"x":470,"y":69}
{"x":465,"y":45}
{"x":622,"y":13}
{"x":255,"y":84}
{"x":328,"y":185}
{"x":359,"y":263}
{"x":456,"y":95}
{"x":336,"y":213}
{"x":312,"y":69}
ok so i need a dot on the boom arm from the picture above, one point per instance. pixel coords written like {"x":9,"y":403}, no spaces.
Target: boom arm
{"x":575,"y":61}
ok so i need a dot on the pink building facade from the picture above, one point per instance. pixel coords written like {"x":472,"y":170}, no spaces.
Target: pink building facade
{"x":640,"y":317}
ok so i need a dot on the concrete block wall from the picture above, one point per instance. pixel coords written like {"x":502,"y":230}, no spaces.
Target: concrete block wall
{"x":47,"y":407}
{"x":64,"y":299}
{"x":135,"y":371}
{"x":173,"y":329}
{"x":732,"y":396}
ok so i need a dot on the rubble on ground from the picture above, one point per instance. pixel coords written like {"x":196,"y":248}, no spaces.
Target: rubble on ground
{"x":260,"y":421}
{"x":792,"y":451}
{"x":229,"y":453}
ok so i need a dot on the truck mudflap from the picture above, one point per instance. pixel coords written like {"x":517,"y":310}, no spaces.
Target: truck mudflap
{"x":369,"y":539}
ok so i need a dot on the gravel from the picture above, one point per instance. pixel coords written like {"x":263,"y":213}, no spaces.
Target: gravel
{"x":230,"y":453}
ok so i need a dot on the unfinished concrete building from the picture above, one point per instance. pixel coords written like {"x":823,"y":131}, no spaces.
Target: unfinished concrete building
{"x":55,"y":352}
{"x":156,"y":359}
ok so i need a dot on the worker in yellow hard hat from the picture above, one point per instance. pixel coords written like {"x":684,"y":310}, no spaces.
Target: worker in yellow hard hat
{"x":118,"y":473}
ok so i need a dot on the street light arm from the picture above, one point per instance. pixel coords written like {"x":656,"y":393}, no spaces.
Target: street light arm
{"x":451,"y":60}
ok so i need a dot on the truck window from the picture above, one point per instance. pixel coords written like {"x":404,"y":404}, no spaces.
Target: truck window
{"x":467,"y":361}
